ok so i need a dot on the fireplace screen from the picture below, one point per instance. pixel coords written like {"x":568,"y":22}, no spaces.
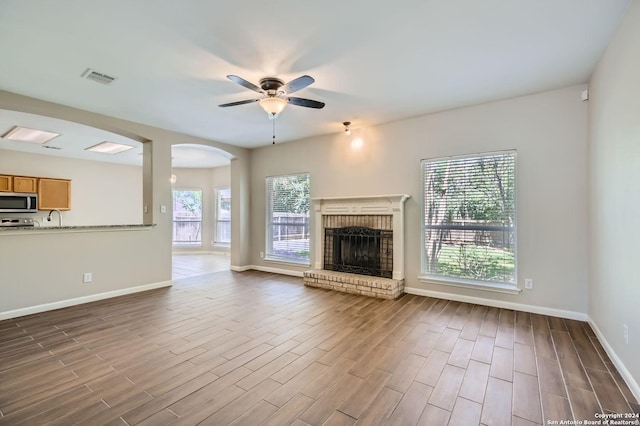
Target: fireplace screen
{"x":359,"y":250}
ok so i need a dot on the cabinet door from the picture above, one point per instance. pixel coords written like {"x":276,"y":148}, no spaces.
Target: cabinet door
{"x":54,"y":194}
{"x":6,"y":183}
{"x":24,"y":184}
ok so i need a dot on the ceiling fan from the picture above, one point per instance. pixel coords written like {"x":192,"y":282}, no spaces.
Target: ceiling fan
{"x":276,"y":94}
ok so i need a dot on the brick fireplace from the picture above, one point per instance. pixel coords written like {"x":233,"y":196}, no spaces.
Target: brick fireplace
{"x":359,"y":245}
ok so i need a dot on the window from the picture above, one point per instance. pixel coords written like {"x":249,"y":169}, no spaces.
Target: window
{"x":223,"y":216}
{"x":469,"y":219}
{"x":187,"y":217}
{"x":288,"y":218}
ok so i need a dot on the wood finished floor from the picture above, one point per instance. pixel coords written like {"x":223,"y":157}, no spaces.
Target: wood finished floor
{"x":255,"y":348}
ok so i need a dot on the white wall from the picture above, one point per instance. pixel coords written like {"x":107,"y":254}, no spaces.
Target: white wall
{"x":548,"y":130}
{"x":101,"y":193}
{"x":41,"y":270}
{"x":207,"y":180}
{"x":614,"y":170}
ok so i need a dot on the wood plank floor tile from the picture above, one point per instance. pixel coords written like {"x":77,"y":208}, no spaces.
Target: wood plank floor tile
{"x":526,"y":397}
{"x":404,"y":375}
{"x":465,"y":413}
{"x":289,"y":411}
{"x":430,"y":373}
{"x":496,"y":409}
{"x":446,"y":390}
{"x":474,"y":383}
{"x":362,"y":397}
{"x":502,"y":364}
{"x":607,"y":392}
{"x":483,"y":349}
{"x":524,"y":359}
{"x":433,"y":415}
{"x":584,"y":404}
{"x":293,"y":386}
{"x":381,"y":408}
{"x":253,"y":347}
{"x":461,"y":353}
{"x":322,"y":408}
{"x":255,"y":415}
{"x":339,"y":419}
{"x":411,"y":406}
{"x":551,"y":380}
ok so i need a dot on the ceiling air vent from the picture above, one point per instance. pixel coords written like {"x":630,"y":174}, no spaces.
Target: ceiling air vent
{"x":98,"y":76}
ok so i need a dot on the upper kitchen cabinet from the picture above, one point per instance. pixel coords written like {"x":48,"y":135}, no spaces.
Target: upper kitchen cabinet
{"x":54,"y":194}
{"x":18,"y":184}
{"x":6,"y":183}
{"x":25,"y":184}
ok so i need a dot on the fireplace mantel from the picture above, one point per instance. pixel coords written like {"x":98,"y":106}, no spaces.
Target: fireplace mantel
{"x":392,"y":205}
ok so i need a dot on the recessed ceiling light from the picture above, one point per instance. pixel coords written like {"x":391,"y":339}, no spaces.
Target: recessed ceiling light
{"x":109,"y":147}
{"x":24,"y":134}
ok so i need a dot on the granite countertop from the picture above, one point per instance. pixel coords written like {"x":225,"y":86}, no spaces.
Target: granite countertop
{"x":83,"y":228}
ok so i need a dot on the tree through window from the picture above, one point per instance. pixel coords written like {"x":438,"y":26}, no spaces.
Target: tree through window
{"x":288,"y":218}
{"x":469,"y":218}
{"x":187,"y":217}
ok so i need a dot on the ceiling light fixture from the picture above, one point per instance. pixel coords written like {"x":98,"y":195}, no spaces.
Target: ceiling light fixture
{"x":109,"y":147}
{"x":273,"y":105}
{"x":347,"y":130}
{"x":24,"y":134}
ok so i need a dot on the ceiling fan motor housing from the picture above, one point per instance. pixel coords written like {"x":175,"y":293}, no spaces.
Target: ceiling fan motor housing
{"x":271,"y":84}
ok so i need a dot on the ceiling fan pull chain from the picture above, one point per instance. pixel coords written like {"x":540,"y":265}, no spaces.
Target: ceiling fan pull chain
{"x":274,"y":129}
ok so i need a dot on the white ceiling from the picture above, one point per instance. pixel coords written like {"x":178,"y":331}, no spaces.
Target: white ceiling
{"x":374,"y":61}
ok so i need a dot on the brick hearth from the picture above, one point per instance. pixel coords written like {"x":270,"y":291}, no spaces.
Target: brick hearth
{"x":384,"y":288}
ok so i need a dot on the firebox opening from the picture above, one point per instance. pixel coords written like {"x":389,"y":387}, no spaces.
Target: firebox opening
{"x":359,"y":250}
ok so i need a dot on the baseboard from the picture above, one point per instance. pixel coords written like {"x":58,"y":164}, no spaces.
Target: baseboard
{"x":499,"y":304}
{"x":267,"y":269}
{"x":80,"y":300}
{"x":622,"y":369}
{"x":240,"y":268}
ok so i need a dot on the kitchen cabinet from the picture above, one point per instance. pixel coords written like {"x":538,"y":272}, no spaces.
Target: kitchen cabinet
{"x":25,"y":184}
{"x":6,"y":183}
{"x":54,"y":194}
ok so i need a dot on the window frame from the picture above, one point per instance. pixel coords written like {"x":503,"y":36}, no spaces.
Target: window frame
{"x":268,"y":253}
{"x":496,"y":286}
{"x":173,"y":218}
{"x":216,"y":219}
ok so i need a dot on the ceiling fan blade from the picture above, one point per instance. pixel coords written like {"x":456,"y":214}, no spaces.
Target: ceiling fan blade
{"x":297,"y":84}
{"x":309,"y":103}
{"x":248,"y":101}
{"x":242,"y":82}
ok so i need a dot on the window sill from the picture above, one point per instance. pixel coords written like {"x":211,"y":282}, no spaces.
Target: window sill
{"x":287,"y":261}
{"x":495,"y":287}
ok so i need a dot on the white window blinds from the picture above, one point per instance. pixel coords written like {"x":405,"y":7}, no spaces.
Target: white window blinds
{"x":470,"y":218}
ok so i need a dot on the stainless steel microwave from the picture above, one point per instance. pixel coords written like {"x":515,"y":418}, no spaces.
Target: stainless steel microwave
{"x":16,"y":202}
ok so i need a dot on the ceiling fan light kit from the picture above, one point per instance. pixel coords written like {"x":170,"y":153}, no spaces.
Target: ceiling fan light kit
{"x":273,"y":106}
{"x":347,"y":130}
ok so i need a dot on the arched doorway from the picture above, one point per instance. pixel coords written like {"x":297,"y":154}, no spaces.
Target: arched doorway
{"x":201,"y":206}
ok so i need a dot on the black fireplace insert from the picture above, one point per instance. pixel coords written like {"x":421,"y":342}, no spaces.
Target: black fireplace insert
{"x":359,"y":250}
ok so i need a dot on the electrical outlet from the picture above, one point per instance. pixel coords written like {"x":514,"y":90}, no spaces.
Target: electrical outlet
{"x":625,"y":331}
{"x":163,"y":209}
{"x":261,"y":255}
{"x":528,"y":283}
{"x":88,"y":277}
